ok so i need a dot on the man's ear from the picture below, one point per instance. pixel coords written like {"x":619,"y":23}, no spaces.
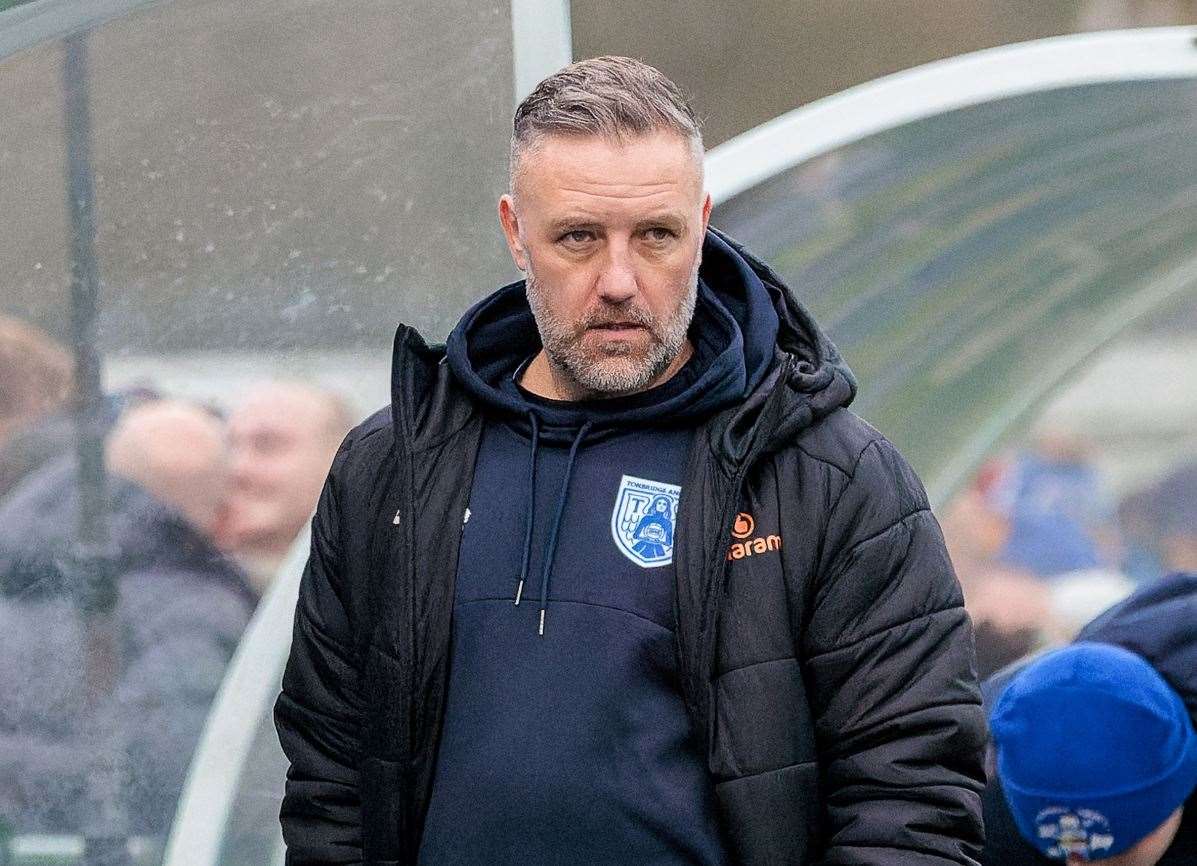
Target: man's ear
{"x":511,"y":231}
{"x":706,"y":212}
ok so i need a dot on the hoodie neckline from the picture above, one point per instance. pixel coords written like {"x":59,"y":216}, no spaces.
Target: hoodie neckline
{"x":604,"y":413}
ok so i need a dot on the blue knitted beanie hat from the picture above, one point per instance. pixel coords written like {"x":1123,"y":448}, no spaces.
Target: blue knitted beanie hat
{"x":1094,"y":751}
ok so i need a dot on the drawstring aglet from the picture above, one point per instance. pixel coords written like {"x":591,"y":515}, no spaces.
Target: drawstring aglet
{"x":541,"y":631}
{"x":519,"y":592}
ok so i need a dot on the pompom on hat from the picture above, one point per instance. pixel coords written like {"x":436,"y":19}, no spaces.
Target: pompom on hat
{"x":1094,"y":751}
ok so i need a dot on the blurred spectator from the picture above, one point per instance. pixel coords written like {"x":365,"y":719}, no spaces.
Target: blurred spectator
{"x":36,"y":379}
{"x":1160,"y":525}
{"x":1176,"y":508}
{"x":37,"y":422}
{"x":1141,"y":556}
{"x":181,"y":608}
{"x":974,"y":529}
{"x":1059,"y":519}
{"x":284,"y":436}
{"x":35,"y":374}
{"x":1013,"y":616}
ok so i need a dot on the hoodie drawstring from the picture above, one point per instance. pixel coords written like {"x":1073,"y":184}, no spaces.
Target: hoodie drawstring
{"x":519,"y":590}
{"x":551,"y":549}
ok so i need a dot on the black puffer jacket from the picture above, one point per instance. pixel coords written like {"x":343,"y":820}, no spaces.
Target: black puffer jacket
{"x":833,"y":683}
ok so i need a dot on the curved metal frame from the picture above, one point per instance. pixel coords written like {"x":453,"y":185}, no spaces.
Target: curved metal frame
{"x":31,"y":24}
{"x":1142,"y":54}
{"x":251,"y":681}
{"x":936,"y":88}
{"x":1024,"y":405}
{"x":733,"y":167}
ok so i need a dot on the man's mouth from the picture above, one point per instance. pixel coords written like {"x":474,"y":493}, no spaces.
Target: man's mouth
{"x":618,"y":328}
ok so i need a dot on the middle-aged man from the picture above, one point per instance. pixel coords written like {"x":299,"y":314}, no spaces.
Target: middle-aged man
{"x":180,"y":610}
{"x":283,"y":436}
{"x":616,"y":578}
{"x":37,"y":377}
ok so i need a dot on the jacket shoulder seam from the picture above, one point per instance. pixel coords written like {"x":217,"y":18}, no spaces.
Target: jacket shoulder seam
{"x":819,"y":458}
{"x":876,"y":440}
{"x":871,"y":434}
{"x":851,"y":475}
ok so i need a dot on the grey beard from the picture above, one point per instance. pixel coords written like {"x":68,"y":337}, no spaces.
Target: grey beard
{"x":619,"y":371}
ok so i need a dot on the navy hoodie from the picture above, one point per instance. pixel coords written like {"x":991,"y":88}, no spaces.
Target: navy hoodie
{"x":566,"y":739}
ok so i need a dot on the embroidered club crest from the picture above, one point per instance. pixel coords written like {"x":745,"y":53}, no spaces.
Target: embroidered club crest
{"x":643,"y":519}
{"x":1082,"y":833}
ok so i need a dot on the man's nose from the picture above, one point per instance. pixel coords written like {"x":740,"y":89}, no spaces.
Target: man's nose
{"x":617,"y":283}
{"x":240,"y":465}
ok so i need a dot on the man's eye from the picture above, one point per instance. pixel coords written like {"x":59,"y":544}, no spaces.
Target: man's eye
{"x":577,"y":236}
{"x":659,"y":234}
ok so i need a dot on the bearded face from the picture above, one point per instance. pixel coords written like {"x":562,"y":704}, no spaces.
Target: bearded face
{"x":609,"y":235}
{"x":614,"y":348}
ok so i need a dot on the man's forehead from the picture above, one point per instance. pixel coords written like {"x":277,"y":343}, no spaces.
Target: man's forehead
{"x":281,"y":409}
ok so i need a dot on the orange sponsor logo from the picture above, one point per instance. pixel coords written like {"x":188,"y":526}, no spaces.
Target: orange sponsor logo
{"x":748,"y":546}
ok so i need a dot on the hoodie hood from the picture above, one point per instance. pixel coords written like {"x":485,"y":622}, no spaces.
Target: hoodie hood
{"x":744,"y":318}
{"x":809,"y":381}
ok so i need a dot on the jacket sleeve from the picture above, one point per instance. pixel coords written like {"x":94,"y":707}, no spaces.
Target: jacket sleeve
{"x":318,"y":712}
{"x":890,"y":658}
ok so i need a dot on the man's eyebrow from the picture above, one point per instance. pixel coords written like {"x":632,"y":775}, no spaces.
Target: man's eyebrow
{"x":668,"y":220}
{"x":567,"y":224}
{"x":580,"y":222}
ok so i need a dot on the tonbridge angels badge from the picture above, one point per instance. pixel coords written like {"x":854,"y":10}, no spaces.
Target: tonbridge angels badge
{"x":643,"y":519}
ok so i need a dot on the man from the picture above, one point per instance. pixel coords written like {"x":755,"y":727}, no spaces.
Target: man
{"x":36,"y":379}
{"x":283,"y":436}
{"x":1175,"y":518}
{"x":498,"y":659}
{"x":1058,"y":514}
{"x":1095,"y":745}
{"x":181,"y":608}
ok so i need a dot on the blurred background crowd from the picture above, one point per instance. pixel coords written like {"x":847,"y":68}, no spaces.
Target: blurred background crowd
{"x":203,"y":502}
{"x":1042,"y":544}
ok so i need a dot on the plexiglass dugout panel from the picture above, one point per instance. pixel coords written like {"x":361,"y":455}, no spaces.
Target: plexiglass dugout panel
{"x":251,"y":195}
{"x":967,"y":263}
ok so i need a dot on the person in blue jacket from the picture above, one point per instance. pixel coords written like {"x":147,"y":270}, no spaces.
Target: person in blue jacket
{"x":1095,"y":754}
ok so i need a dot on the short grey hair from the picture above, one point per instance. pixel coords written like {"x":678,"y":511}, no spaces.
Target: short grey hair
{"x":615,"y":98}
